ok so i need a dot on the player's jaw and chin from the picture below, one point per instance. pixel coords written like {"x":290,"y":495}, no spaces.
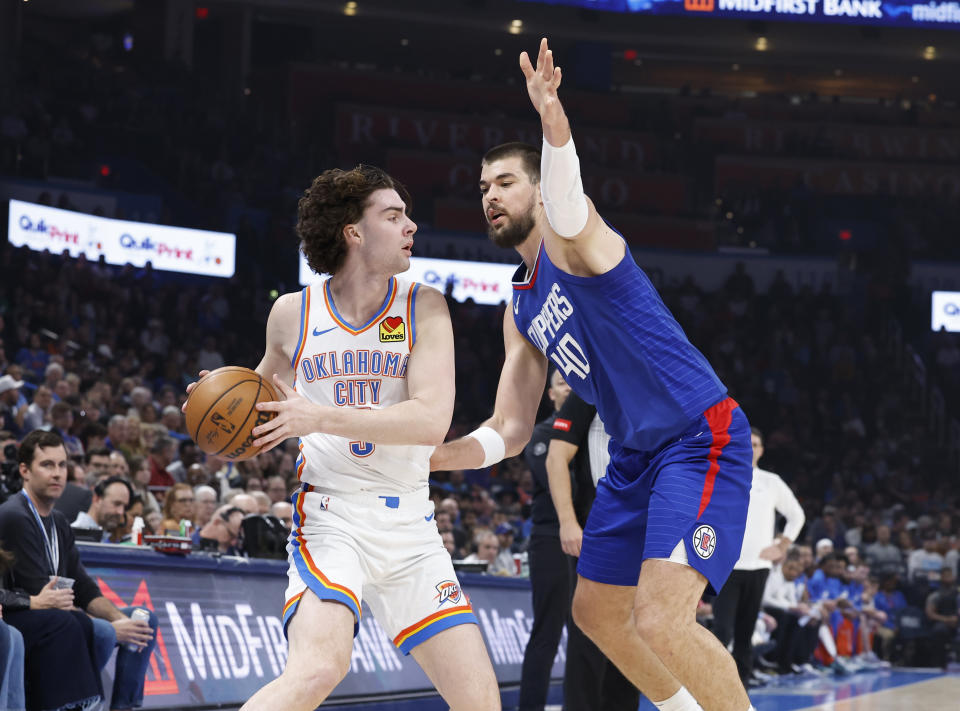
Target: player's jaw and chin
{"x":511,"y":231}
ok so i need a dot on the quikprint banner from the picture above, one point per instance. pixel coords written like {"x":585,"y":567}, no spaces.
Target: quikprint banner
{"x":119,"y":242}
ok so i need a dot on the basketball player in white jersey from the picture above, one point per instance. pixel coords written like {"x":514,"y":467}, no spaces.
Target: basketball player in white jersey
{"x":370,"y":359}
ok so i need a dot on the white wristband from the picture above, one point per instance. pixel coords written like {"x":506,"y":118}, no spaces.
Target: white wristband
{"x":562,"y":189}
{"x":493,"y":445}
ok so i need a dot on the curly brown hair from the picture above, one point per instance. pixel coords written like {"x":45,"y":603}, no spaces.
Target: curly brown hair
{"x":337,"y":198}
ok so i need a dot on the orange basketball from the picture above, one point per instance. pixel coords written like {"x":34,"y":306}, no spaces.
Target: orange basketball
{"x":221,"y":411}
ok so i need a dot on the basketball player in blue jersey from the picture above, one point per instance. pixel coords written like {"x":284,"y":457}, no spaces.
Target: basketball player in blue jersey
{"x":669,"y":515}
{"x":365,"y":363}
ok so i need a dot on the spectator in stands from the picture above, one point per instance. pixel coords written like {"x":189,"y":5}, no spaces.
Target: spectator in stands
{"x":153,"y":520}
{"x":108,"y":510}
{"x":188,"y":454}
{"x":33,"y":358}
{"x":132,"y":443}
{"x":140,"y":480}
{"x":943,"y":611}
{"x":450,"y":544}
{"x":172,"y":419}
{"x":925,"y":564}
{"x":242,"y":501}
{"x":204,"y":504}
{"x":43,"y":545}
{"x":178,"y":505}
{"x":487,"y":550}
{"x":154,"y":339}
{"x":882,"y":556}
{"x":828,"y":526}
{"x":52,"y":375}
{"x":276,"y":488}
{"x":55,"y":638}
{"x":808,"y":564}
{"x":824,"y":548}
{"x":784,"y":598}
{"x":61,"y":417}
{"x":161,"y":455}
{"x":283,"y":510}
{"x":263,"y":502}
{"x":38,"y":412}
{"x":97,"y":462}
{"x":505,"y":535}
{"x":12,"y":416}
{"x":222,"y":531}
{"x":209,"y":357}
{"x":116,"y":432}
{"x":197,"y":475}
{"x":856,"y":569}
{"x":889,"y":599}
{"x":119,"y":466}
{"x":134,"y":511}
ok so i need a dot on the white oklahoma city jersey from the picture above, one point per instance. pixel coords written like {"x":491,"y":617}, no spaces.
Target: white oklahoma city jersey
{"x":343,"y":365}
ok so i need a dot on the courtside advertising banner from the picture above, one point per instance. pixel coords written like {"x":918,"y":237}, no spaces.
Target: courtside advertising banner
{"x":173,"y":249}
{"x":891,"y":13}
{"x":945,"y":311}
{"x":221,"y":636}
{"x":484,"y":282}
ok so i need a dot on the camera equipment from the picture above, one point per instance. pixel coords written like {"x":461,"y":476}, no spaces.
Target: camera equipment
{"x":10,"y":481}
{"x":264,"y":536}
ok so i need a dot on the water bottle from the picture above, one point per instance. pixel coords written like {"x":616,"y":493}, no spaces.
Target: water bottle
{"x":138,"y":614}
{"x":136,"y":531}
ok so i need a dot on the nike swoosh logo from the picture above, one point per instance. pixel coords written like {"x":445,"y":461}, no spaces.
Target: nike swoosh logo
{"x":317,"y":332}
{"x":516,"y":305}
{"x":428,"y":518}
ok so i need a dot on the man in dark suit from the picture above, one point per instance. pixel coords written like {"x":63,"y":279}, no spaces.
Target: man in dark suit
{"x":45,"y":553}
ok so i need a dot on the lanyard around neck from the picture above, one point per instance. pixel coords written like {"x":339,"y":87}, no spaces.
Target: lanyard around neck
{"x":51,"y":546}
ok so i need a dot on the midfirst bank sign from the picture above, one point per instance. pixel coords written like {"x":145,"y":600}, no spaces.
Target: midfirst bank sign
{"x":221,"y":636}
{"x":896,"y":13}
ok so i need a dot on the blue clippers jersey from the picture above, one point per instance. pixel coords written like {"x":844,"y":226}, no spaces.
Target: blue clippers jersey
{"x":619,"y":347}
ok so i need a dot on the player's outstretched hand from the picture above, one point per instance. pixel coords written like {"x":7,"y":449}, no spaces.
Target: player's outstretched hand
{"x":542,"y":81}
{"x":296,"y":416}
{"x":190,"y":387}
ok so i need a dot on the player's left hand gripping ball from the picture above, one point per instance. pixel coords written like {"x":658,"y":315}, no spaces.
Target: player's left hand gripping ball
{"x":296,"y":416}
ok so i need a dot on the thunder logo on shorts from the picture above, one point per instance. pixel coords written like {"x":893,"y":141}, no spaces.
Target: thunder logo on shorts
{"x":448,"y":591}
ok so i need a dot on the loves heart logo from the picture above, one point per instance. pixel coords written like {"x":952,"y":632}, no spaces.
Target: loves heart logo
{"x":392,"y":329}
{"x":391,"y":323}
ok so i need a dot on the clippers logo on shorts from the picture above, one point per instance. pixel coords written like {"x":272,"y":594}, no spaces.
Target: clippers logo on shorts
{"x":562,"y":425}
{"x":447,"y":591}
{"x":392,"y":329}
{"x":704,"y":541}
{"x":324,"y":503}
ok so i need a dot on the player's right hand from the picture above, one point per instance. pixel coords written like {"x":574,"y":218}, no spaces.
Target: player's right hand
{"x":49,"y":598}
{"x":542,"y":81}
{"x":190,"y":387}
{"x":571,"y":538}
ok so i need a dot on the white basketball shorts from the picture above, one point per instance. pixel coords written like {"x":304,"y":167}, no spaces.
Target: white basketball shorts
{"x":382,"y":549}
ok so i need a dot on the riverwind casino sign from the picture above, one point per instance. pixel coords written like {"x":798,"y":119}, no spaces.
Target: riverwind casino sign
{"x":895,"y":13}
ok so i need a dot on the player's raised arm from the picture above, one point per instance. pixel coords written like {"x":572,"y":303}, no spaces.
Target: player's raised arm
{"x":422,"y":419}
{"x":570,"y":214}
{"x":518,"y":396}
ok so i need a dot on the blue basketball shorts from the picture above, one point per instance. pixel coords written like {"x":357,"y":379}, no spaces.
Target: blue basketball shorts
{"x":694,"y":489}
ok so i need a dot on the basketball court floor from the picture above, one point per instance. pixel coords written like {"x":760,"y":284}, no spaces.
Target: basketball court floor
{"x":885,"y":690}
